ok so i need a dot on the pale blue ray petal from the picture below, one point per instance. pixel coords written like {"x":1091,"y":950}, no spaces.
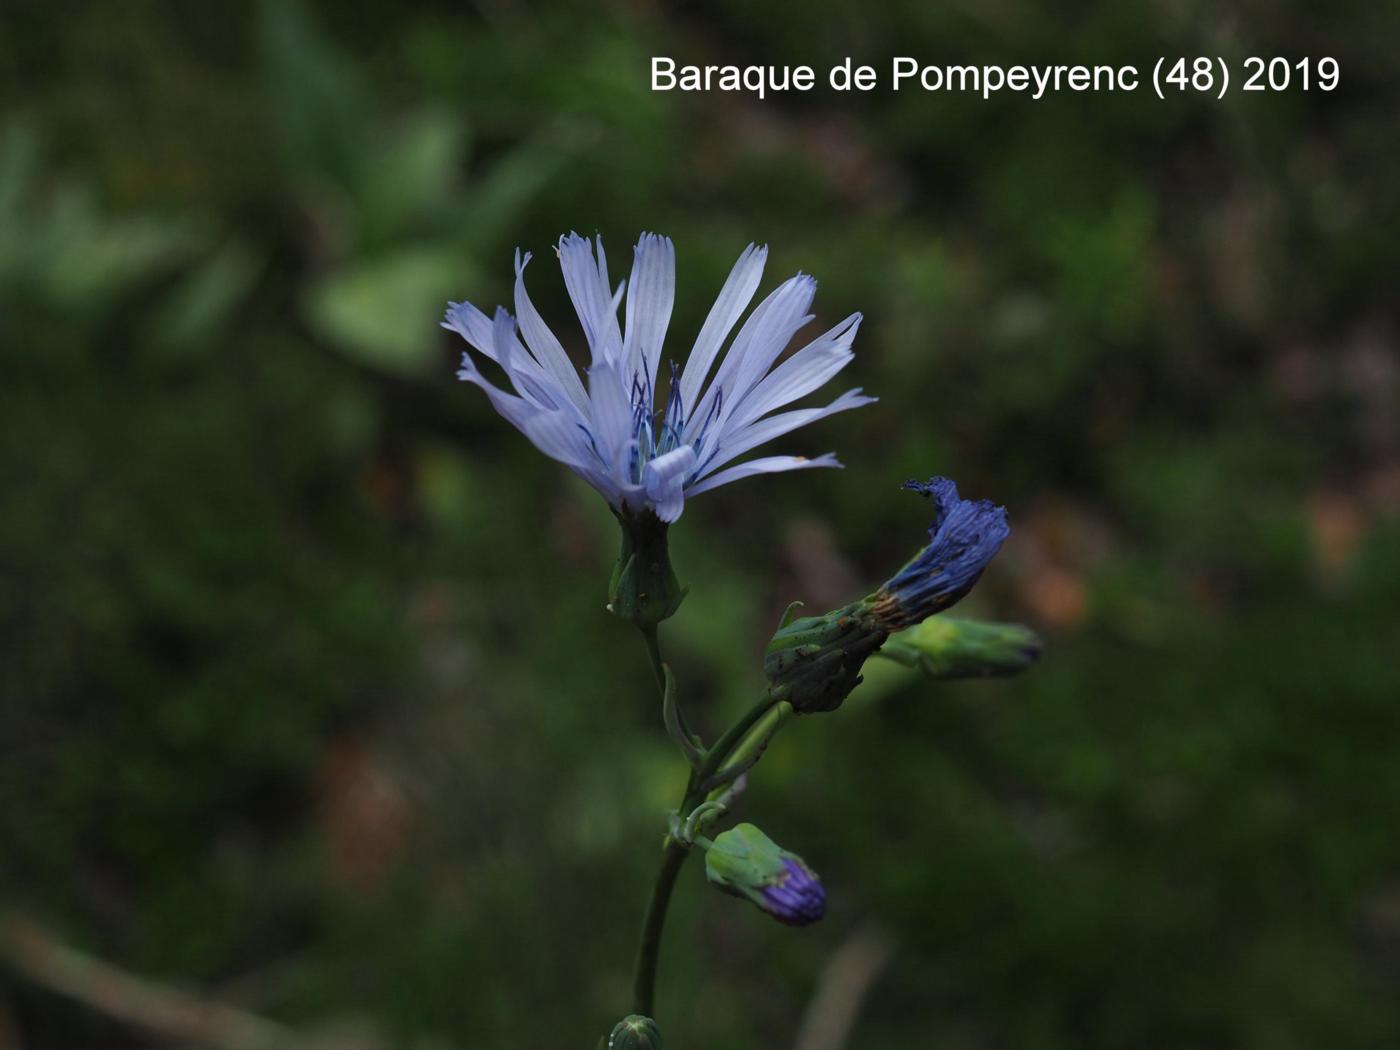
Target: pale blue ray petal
{"x":523,"y":371}
{"x":664,"y":479}
{"x":526,"y":375}
{"x":516,"y":410}
{"x":800,"y":374}
{"x":558,"y":435}
{"x":586,"y":278}
{"x":772,"y":338}
{"x":611,"y":406}
{"x":767,"y":465}
{"x":472,"y":325}
{"x":733,"y":299}
{"x":650,"y":297}
{"x":617,"y":297}
{"x":761,"y":339}
{"x":542,"y":342}
{"x":765,"y":430}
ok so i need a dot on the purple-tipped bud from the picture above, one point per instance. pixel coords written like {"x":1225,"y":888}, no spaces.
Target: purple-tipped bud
{"x":798,"y":898}
{"x":744,"y":862}
{"x":964,"y":537}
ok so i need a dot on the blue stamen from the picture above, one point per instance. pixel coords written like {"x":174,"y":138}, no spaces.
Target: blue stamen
{"x":674,"y":420}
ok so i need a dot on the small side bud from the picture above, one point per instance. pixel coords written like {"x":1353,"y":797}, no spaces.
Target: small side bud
{"x":635,"y":1032}
{"x":943,"y":647}
{"x":644,"y":589}
{"x":744,"y":862}
{"x":814,"y":662}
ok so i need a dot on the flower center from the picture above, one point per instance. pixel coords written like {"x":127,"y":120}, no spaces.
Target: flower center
{"x":654,"y":437}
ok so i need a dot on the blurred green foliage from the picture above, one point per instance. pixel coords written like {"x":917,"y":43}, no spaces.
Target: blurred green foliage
{"x":309,"y":698}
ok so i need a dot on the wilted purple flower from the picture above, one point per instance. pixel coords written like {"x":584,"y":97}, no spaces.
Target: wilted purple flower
{"x":964,"y":537}
{"x":611,"y":431}
{"x":813,"y":662}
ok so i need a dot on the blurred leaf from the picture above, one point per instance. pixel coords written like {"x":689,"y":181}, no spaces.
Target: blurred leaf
{"x":385,"y":311}
{"x":205,"y":300}
{"x":499,"y":198}
{"x":413,"y":178}
{"x":317,"y":99}
{"x":58,"y":246}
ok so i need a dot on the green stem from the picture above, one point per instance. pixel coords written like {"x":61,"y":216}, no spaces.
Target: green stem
{"x":654,"y":651}
{"x":649,"y":949}
{"x":744,"y":756}
{"x":730,"y":739}
{"x":674,"y":854}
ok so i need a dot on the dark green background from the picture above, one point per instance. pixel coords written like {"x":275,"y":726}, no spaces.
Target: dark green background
{"x":309,"y":698}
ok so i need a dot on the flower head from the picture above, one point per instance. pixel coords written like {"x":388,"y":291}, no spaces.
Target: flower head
{"x":642,"y":453}
{"x":814,"y":662}
{"x":964,"y":537}
{"x":744,"y":862}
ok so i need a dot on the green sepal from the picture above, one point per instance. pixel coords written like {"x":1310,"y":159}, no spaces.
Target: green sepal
{"x":644,"y":589}
{"x":743,"y":861}
{"x":787,"y":613}
{"x":814,"y":662}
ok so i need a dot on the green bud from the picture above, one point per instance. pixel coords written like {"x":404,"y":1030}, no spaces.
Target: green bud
{"x":644,"y":589}
{"x":744,"y":862}
{"x":943,"y":647}
{"x":635,"y":1032}
{"x":814,"y":662}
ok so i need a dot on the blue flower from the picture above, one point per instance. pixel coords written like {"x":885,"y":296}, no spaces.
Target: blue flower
{"x":964,"y":537}
{"x":610,"y":431}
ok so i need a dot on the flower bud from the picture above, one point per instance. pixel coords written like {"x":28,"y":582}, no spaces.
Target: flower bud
{"x":635,"y":1032}
{"x":744,"y":862}
{"x":814,"y":662}
{"x":644,"y":589}
{"x":943,"y":647}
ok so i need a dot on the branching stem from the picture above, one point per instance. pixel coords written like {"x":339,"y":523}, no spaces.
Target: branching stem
{"x":674,"y":852}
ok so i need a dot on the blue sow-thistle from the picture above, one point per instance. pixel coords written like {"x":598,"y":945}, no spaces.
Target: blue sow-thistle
{"x":645,"y":457}
{"x":646,"y":454}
